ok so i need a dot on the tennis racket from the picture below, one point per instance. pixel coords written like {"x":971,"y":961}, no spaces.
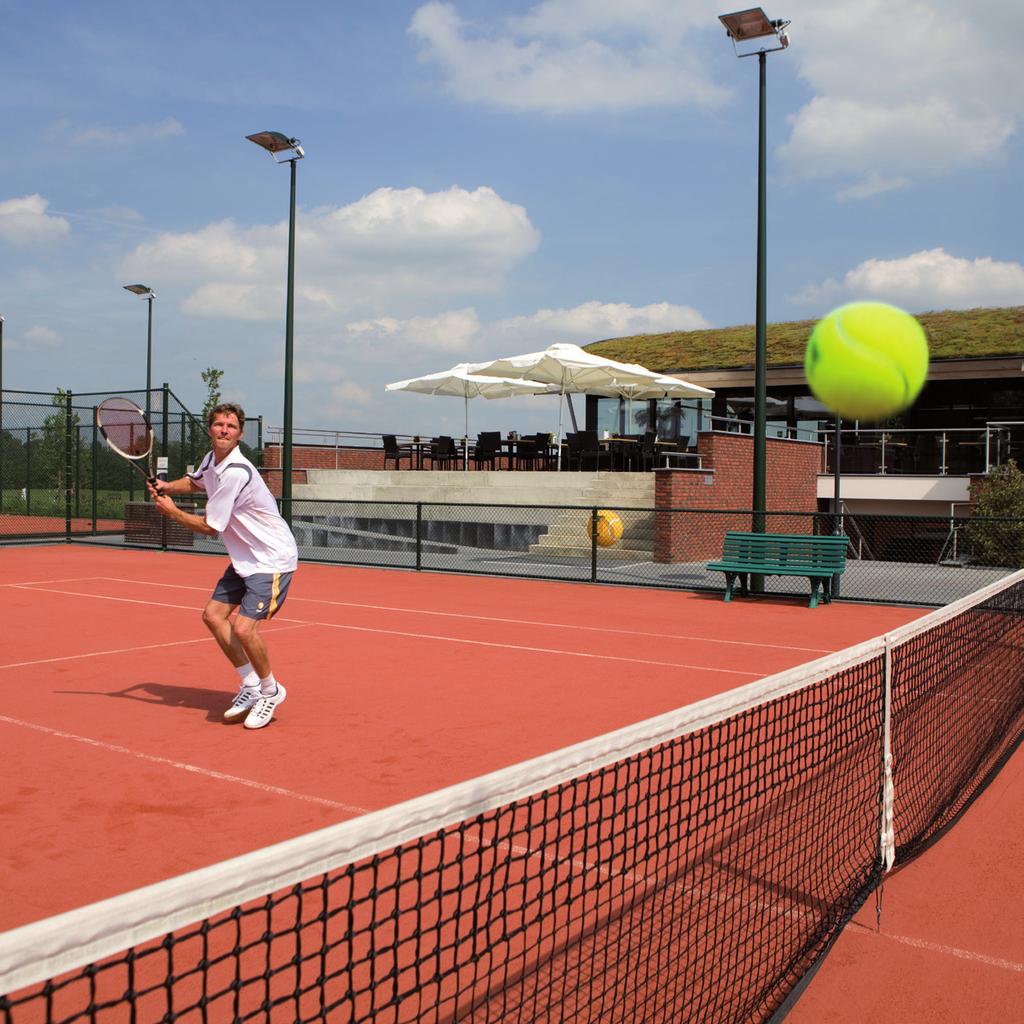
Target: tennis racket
{"x":127,"y":431}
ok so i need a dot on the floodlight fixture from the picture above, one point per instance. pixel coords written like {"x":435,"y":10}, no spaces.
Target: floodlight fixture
{"x":140,"y":289}
{"x":277,"y":142}
{"x":743,"y":26}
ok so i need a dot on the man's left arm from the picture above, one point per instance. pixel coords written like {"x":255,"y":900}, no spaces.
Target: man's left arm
{"x":197,"y":524}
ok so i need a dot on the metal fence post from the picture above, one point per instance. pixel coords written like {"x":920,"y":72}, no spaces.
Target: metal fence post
{"x":593,"y":545}
{"x":78,"y":470}
{"x":68,"y":465}
{"x":419,"y":534}
{"x":165,"y":399}
{"x":28,"y":471}
{"x":95,"y":476}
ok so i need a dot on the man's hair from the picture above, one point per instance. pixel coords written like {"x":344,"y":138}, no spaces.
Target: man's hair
{"x":231,"y":407}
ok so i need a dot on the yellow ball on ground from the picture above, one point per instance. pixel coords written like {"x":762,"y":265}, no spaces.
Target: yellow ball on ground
{"x":609,"y":528}
{"x":867,"y":360}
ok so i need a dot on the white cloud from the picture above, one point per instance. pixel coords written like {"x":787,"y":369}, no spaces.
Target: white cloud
{"x":904,"y":89}
{"x":351,"y":393}
{"x":105,"y":135}
{"x":24,"y":221}
{"x":931,"y":279}
{"x":115,"y":214}
{"x":391,"y":246}
{"x":596,"y":321}
{"x":448,"y":332}
{"x":37,"y":337}
{"x":568,"y":56}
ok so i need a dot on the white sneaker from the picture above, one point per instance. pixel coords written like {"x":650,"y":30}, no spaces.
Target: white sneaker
{"x":263,"y":710}
{"x":244,"y":699}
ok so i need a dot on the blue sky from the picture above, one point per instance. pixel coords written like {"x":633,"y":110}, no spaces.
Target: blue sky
{"x":482,"y":179}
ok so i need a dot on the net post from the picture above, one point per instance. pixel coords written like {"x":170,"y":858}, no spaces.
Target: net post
{"x":593,"y":545}
{"x":68,"y":464}
{"x":887,"y":835}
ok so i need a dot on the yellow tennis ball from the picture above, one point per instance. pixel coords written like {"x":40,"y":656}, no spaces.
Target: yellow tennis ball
{"x":867,"y":360}
{"x":609,"y":528}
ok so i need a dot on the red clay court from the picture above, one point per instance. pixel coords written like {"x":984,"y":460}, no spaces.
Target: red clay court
{"x":120,"y":773}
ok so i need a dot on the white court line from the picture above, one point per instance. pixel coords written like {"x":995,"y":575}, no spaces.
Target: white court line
{"x":537,"y":650}
{"x":209,"y":773}
{"x":450,"y":639}
{"x":39,"y":583}
{"x":125,"y":650}
{"x":936,"y":947}
{"x":508,"y":621}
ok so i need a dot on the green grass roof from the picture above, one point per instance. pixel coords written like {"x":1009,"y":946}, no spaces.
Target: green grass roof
{"x":954,"y":334}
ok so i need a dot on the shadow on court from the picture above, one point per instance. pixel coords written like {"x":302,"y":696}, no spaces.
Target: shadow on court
{"x":213,"y":702}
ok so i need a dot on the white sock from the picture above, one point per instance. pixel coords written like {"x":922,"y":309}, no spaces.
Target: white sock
{"x":268,"y":686}
{"x":248,"y":675}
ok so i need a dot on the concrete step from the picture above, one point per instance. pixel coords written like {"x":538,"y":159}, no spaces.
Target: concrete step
{"x":569,"y":535}
{"x":496,"y":487}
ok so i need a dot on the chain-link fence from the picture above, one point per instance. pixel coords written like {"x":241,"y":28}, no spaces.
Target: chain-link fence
{"x":908,"y":559}
{"x":58,"y":478}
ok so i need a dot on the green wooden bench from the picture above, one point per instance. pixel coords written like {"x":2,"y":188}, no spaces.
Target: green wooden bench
{"x":782,"y":554}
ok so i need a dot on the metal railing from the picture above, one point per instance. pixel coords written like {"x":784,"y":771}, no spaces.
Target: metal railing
{"x":936,"y":451}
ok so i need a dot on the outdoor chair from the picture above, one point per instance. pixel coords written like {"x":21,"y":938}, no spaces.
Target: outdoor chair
{"x":487,"y":449}
{"x":395,"y":452}
{"x":590,"y":451}
{"x":648,"y":452}
{"x":544,"y":452}
{"x":442,"y":452}
{"x":527,"y":453}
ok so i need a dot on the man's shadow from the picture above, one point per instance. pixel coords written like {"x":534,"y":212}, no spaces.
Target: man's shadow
{"x":213,"y":702}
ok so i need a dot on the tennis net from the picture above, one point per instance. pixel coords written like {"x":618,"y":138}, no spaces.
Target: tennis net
{"x":691,"y":868}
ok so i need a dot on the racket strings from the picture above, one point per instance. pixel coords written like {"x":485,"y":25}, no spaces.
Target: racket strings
{"x":125,"y":428}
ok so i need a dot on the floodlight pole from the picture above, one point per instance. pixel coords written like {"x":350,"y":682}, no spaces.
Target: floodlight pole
{"x":741,"y":27}
{"x":289,"y":356}
{"x":149,"y":355}
{"x":274,"y":143}
{"x":145,"y":292}
{"x":760,"y":328}
{"x":837,"y":501}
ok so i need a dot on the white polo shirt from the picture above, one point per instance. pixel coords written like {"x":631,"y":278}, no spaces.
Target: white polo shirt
{"x":242,"y":510}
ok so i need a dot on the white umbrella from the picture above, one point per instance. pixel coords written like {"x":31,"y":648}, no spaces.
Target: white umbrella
{"x":458,"y":382}
{"x":574,"y":370}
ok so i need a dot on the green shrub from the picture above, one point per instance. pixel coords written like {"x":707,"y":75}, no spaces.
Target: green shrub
{"x":996,"y":530}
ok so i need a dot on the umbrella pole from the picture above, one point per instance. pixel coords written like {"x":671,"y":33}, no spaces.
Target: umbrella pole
{"x":465,"y":437}
{"x":561,"y":402}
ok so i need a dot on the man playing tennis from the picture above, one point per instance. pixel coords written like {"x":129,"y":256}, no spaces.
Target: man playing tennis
{"x":239,"y":507}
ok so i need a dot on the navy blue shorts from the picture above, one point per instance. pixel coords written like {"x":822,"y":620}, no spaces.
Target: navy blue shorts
{"x":259,"y":596}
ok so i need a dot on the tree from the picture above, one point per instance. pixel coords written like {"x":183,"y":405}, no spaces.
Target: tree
{"x":996,"y":532}
{"x":51,"y":447}
{"x":211,"y":378}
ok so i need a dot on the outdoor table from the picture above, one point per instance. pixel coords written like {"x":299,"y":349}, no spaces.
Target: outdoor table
{"x":619,"y":449}
{"x":418,"y":448}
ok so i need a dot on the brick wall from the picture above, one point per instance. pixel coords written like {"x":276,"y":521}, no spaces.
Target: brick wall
{"x":144,"y":525}
{"x":726,"y":482}
{"x":307,"y":456}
